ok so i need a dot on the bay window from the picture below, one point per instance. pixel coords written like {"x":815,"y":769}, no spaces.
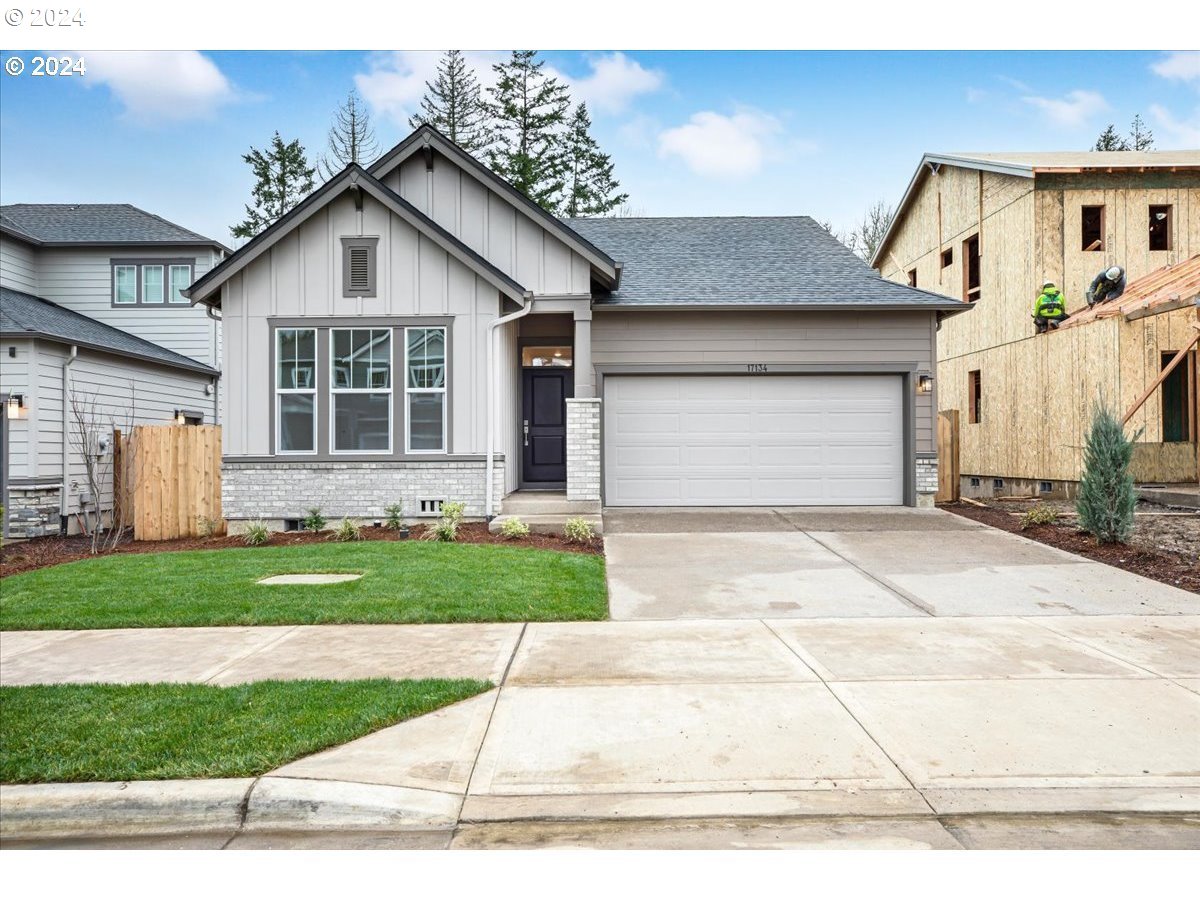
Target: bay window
{"x":425,"y":389}
{"x":360,"y":387}
{"x":296,"y":390}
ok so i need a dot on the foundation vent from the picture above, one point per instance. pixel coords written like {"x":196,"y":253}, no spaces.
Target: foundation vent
{"x":430,"y":506}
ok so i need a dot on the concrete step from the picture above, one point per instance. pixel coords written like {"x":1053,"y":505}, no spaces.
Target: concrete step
{"x":1183,"y":495}
{"x":546,"y":503}
{"x":547,"y":524}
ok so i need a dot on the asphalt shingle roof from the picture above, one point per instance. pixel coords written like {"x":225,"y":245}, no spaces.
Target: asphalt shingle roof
{"x":759,"y":260}
{"x":95,"y":223}
{"x":22,"y":313}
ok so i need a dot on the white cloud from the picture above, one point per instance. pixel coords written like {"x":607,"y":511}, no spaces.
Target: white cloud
{"x":722,"y":146}
{"x":1179,"y":133}
{"x":1179,"y":65}
{"x":1072,"y":111}
{"x":975,"y":95}
{"x":160,"y":85}
{"x":615,"y":80}
{"x":394,"y":82}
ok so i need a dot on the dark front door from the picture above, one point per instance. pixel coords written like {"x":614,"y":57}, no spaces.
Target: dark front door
{"x":544,"y":425}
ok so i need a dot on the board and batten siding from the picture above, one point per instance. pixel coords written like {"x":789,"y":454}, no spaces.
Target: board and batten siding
{"x":18,"y":265}
{"x":80,"y":278}
{"x":301,"y":277}
{"x":781,"y":338}
{"x":491,"y":226}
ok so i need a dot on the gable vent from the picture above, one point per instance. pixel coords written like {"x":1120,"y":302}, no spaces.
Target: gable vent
{"x":360,"y":268}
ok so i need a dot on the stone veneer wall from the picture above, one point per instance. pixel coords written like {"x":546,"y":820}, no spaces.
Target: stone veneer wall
{"x":33,"y":510}
{"x":583,"y":448}
{"x":927,"y":479}
{"x":273,"y":491}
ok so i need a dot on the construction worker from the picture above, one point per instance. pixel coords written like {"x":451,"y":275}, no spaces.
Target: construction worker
{"x":1108,"y":285}
{"x":1049,"y":308}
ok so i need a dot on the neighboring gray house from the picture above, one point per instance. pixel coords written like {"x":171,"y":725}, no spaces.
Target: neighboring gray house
{"x":409,"y":326}
{"x":92,"y":304}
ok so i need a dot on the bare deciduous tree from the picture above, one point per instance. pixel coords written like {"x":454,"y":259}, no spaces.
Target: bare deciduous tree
{"x":91,"y":435}
{"x":865,"y":238}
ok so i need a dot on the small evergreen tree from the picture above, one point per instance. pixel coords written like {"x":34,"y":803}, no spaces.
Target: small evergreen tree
{"x":351,"y":138}
{"x":454,"y":105}
{"x":283,"y":178}
{"x":1106,"y":496}
{"x":1110,"y":140}
{"x":591,"y":189}
{"x":528,"y":111}
{"x":1140,"y":137}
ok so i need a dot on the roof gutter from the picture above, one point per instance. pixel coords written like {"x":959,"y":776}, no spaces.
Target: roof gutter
{"x":489,"y":489}
{"x":948,"y":306}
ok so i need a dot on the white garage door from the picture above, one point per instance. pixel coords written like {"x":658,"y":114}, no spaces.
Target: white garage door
{"x":729,"y":440}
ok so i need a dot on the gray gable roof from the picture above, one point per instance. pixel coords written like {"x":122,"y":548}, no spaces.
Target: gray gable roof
{"x":95,"y":223}
{"x":743,"y":261}
{"x":24,"y":315}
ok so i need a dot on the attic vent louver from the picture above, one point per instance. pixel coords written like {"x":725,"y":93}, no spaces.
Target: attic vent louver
{"x":358,"y":267}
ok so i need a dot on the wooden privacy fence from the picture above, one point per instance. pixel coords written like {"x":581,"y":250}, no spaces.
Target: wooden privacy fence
{"x":947,"y":442}
{"x":167,"y":480}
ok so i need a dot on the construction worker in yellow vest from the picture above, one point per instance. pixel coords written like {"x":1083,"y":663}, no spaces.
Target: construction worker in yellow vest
{"x":1049,"y":308}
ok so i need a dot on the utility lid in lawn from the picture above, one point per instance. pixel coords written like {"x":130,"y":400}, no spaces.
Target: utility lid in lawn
{"x":310,"y":578}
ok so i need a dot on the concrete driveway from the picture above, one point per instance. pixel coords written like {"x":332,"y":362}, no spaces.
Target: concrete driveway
{"x":762,"y":563}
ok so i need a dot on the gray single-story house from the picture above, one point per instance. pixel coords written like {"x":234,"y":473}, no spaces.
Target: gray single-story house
{"x":419,"y":331}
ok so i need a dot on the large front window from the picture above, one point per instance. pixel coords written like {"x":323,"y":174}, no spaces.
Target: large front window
{"x":425,"y":389}
{"x":360,"y":387}
{"x":296,"y":390}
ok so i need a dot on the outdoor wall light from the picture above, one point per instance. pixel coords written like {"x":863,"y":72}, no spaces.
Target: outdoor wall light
{"x":179,"y":419}
{"x":16,"y":405}
{"x":924,"y":384}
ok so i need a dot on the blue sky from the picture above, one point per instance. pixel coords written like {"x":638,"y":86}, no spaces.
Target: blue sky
{"x":691,"y":132}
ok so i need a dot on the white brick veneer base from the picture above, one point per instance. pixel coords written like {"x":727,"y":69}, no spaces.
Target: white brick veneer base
{"x":359,"y":490}
{"x":927,"y":480}
{"x":583,"y":448}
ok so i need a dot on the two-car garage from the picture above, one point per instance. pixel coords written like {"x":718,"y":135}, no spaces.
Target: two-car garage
{"x":754,"y":439}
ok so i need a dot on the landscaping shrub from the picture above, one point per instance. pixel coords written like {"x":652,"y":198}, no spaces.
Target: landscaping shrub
{"x":446,"y":528}
{"x":256,"y":534}
{"x":1106,"y":496}
{"x":346,"y":531}
{"x":207,"y":526}
{"x":1038,"y":515}
{"x":395,"y":517}
{"x":514,"y":528}
{"x":579,"y":530}
{"x":314,"y":521}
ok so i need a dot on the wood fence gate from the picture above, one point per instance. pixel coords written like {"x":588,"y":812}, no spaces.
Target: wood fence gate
{"x":167,"y":480}
{"x":949,"y":481}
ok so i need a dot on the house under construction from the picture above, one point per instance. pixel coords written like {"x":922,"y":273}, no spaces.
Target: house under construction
{"x":989,"y":229}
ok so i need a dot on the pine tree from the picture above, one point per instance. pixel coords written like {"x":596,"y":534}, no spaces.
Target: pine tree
{"x":283,"y":178}
{"x":351,"y":138}
{"x":1140,"y":137}
{"x":453,"y":104}
{"x":591,"y":189}
{"x":1110,"y":140}
{"x":1106,"y":496}
{"x":528,"y":111}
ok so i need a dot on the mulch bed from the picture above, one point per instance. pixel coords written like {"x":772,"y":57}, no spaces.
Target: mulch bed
{"x":1173,"y":570}
{"x":38,"y":553}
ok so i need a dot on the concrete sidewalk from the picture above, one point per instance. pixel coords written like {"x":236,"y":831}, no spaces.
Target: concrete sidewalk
{"x":892,"y":727}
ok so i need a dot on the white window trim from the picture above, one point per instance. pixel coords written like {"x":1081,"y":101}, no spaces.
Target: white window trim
{"x":161,"y":283}
{"x":442,"y":390}
{"x":333,"y":391}
{"x":280,"y":391}
{"x":170,"y":281}
{"x":116,"y":292}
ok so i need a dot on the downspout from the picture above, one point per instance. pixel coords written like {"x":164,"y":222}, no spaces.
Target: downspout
{"x":66,"y":434}
{"x":489,"y":492}
{"x":211,"y":313}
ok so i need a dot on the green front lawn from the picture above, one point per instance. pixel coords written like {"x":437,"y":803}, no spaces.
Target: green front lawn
{"x":412,"y":581}
{"x":112,"y":732}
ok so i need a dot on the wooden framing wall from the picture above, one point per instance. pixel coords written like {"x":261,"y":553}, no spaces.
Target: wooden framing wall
{"x":1038,"y":391}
